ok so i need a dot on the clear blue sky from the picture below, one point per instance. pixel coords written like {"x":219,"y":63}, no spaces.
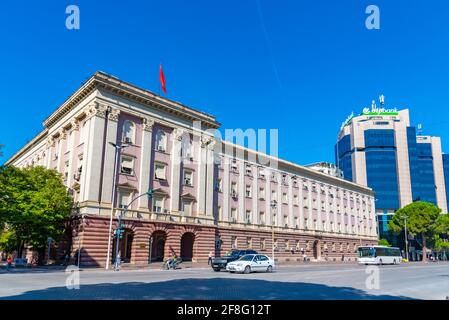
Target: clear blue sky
{"x":299,"y":66}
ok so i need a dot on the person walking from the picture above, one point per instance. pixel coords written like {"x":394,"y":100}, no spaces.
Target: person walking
{"x":209,"y":261}
{"x":8,"y":263}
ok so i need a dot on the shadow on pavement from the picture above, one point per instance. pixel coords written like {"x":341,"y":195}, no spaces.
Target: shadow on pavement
{"x":203,"y":289}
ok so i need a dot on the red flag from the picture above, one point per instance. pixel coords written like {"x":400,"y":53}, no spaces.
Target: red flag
{"x":162,"y":79}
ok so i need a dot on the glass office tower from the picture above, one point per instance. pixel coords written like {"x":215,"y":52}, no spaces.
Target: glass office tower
{"x":380,"y":149}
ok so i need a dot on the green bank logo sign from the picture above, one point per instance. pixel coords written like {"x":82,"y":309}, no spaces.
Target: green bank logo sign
{"x":375,"y":111}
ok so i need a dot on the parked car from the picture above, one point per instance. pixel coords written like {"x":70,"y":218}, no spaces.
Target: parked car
{"x":221,"y":262}
{"x":251,"y":263}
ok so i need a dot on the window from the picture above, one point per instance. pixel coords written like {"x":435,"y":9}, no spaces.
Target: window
{"x":77,"y":175}
{"x":296,"y":222}
{"x":161,"y":141}
{"x":129,"y":132}
{"x":284,"y":198}
{"x":159,"y":171}
{"x":248,"y":170}
{"x":295,"y":200}
{"x":262,"y":173}
{"x":262,"y":193}
{"x":248,"y":216}
{"x":233,"y":215}
{"x":294,"y":182}
{"x":124,"y":198}
{"x":248,"y":191}
{"x":234,"y":189}
{"x":66,"y":171}
{"x":186,"y":150}
{"x":158,"y":204}
{"x":262,"y":243}
{"x":262,"y":218}
{"x":219,"y":185}
{"x":127,"y":165}
{"x":234,"y":166}
{"x":273,"y":195}
{"x":234,"y":242}
{"x":188,"y":178}
{"x":187,"y":207}
{"x":249,"y":243}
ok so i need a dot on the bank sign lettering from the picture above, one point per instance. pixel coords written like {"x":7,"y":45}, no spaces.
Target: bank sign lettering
{"x":375,"y":111}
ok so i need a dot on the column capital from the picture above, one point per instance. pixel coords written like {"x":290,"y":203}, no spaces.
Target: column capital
{"x":113,"y":114}
{"x":177,"y":134}
{"x":96,"y":110}
{"x":75,"y":125}
{"x":50,"y":142}
{"x":147,"y":124}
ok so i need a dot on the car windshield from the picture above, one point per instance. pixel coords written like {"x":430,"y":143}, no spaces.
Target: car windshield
{"x":248,"y":257}
{"x":232,"y":254}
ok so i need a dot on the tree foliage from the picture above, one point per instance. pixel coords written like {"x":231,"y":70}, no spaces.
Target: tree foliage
{"x":423,"y":218}
{"x":33,"y":204}
{"x":384,"y":242}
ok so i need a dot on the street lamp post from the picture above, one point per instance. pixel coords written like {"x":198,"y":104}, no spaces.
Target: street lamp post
{"x":117,"y":147}
{"x":406,"y":238}
{"x":273,"y":208}
{"x":122,"y":214}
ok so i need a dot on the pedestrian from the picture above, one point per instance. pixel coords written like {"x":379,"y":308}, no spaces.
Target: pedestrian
{"x":343,"y":257}
{"x":67,"y":258}
{"x":8,"y":262}
{"x":209,"y":261}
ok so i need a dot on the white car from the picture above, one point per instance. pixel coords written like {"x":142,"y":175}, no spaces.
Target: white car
{"x":251,"y":262}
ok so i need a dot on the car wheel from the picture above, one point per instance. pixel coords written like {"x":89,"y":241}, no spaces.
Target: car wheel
{"x":217,"y":269}
{"x":247,"y":270}
{"x":270,"y":269}
{"x":231,"y":271}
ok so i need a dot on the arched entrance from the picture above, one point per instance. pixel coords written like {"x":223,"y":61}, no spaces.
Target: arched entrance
{"x":187,"y":241}
{"x":316,"y":250}
{"x":125,"y":246}
{"x":157,"y":245}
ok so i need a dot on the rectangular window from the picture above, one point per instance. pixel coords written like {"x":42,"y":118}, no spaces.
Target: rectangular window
{"x":295,"y":200}
{"x":234,"y":190}
{"x":187,"y":207}
{"x":127,"y":165}
{"x":262,"y":218}
{"x":249,"y":172}
{"x":233,"y":215}
{"x":248,"y":216}
{"x":284,"y":198}
{"x":124,"y":198}
{"x":273,"y":195}
{"x":159,"y":171}
{"x":234,"y":242}
{"x":158,"y":204}
{"x":219,"y":185}
{"x":262,"y":173}
{"x":262,"y":193}
{"x":188,"y":178}
{"x":248,"y":191}
{"x":66,"y":171}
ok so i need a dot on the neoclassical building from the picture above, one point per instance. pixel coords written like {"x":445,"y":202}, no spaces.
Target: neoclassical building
{"x":209,"y":195}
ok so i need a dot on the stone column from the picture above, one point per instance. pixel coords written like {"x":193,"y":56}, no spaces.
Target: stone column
{"x":145,"y":161}
{"x":74,"y":129}
{"x":49,"y":152}
{"x":95,"y":144}
{"x":255,"y":194}
{"x":202,"y":161}
{"x":291,"y":219}
{"x":226,"y":193}
{"x":109,"y":155}
{"x":210,"y":179}
{"x":175,"y":170}
{"x":61,"y":138}
{"x":301,"y":203}
{"x":241,"y":192}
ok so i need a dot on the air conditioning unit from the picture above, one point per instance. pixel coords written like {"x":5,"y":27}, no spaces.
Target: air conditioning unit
{"x":161,"y":148}
{"x":187,"y":182}
{"x":166,"y":211}
{"x":127,"y":140}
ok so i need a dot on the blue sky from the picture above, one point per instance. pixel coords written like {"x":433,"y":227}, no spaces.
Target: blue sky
{"x":299,"y":66}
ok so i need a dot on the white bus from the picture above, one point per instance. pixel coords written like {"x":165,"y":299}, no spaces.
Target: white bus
{"x":379,"y":255}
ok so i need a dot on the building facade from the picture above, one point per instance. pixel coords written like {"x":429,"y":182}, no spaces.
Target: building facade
{"x":380,"y":149}
{"x":209,"y":195}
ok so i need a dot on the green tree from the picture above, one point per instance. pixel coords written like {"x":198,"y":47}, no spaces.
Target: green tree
{"x":421,"y":217}
{"x":34,"y":204}
{"x":384,"y":242}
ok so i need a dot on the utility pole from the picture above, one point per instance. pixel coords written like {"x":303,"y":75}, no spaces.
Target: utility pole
{"x":406,"y":238}
{"x":118,"y":148}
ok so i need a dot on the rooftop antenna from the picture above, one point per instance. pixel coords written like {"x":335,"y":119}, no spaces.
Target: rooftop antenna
{"x":419,"y":131}
{"x":382,"y":99}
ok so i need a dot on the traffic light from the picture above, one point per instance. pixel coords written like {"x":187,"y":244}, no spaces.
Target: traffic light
{"x":119,"y":232}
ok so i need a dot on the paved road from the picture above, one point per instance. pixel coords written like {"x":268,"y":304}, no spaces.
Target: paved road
{"x":406,"y":281}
